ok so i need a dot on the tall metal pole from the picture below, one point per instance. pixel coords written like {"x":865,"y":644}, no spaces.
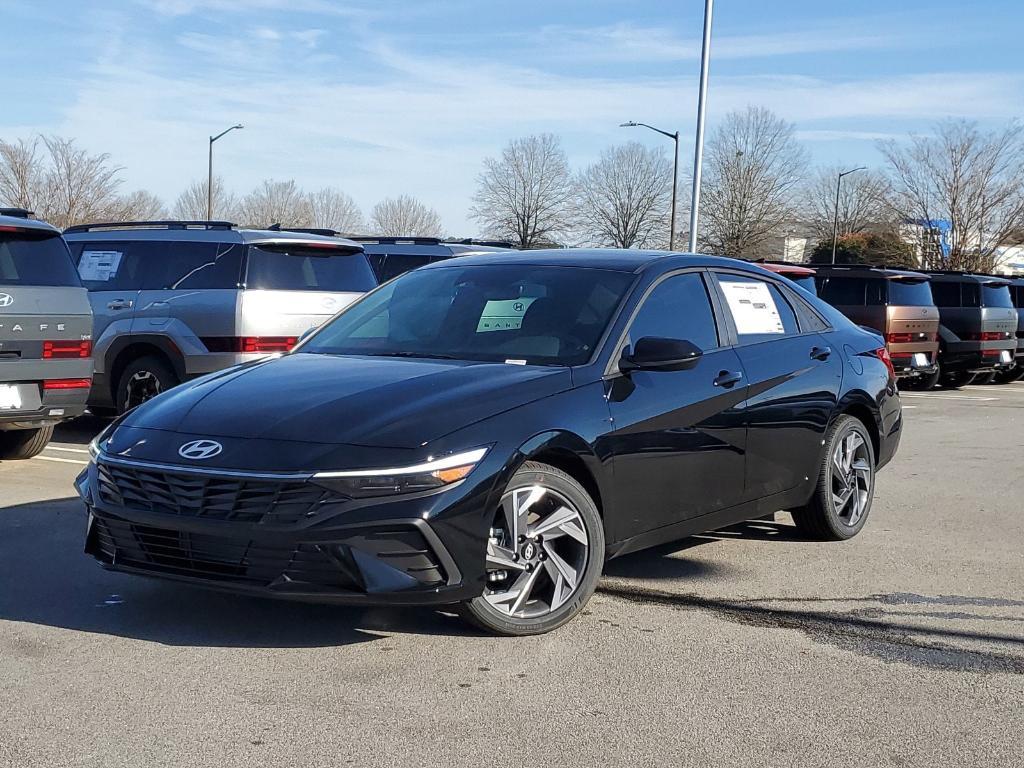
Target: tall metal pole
{"x":698,"y":150}
{"x":675,"y":192}
{"x":835,"y":221}
{"x":209,"y":176}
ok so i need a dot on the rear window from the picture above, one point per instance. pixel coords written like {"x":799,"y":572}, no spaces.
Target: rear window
{"x":995,"y":295}
{"x":28,"y":258}
{"x":910,"y":293}
{"x":308,"y":269}
{"x":804,"y":281}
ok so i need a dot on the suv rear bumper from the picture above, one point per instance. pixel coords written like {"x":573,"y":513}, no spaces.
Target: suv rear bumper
{"x":976,"y":357}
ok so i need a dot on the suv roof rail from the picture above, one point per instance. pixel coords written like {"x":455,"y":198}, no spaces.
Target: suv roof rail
{"x":392,"y":240}
{"x":306,"y":230}
{"x":475,"y":241}
{"x":19,"y":213}
{"x":164,"y":224}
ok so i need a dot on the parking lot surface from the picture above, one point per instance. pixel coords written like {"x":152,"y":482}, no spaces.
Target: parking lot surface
{"x":902,"y":647}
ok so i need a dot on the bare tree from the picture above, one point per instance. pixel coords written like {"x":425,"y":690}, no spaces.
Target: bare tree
{"x":276,"y":202}
{"x":141,"y":205}
{"x":753,"y":171}
{"x":21,"y":173}
{"x":191,"y":204}
{"x":405,"y":215}
{"x":623,"y":200}
{"x":524,"y":196}
{"x":971,"y":179}
{"x":332,"y":209}
{"x":863,"y":203}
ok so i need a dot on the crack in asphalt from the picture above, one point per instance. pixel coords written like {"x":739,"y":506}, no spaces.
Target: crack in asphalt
{"x":855,"y":632}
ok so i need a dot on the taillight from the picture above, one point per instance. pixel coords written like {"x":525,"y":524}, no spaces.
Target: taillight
{"x":883,"y":355}
{"x":987,"y":336}
{"x":58,"y":350}
{"x":899,"y":338}
{"x":268,"y":343}
{"x":51,"y":384}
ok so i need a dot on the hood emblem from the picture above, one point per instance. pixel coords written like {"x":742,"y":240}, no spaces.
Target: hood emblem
{"x":6,"y":299}
{"x":197,"y":450}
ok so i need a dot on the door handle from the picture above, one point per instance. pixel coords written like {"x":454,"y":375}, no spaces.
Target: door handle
{"x":727,"y":378}
{"x":121,"y":304}
{"x":821,"y":353}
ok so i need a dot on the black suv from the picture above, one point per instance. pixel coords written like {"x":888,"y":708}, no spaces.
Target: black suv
{"x":393,"y":256}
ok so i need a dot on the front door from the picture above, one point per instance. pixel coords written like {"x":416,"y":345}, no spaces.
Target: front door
{"x":678,"y":437}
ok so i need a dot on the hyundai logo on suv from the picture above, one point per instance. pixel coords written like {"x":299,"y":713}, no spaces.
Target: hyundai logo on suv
{"x":6,"y":299}
{"x":200,"y":449}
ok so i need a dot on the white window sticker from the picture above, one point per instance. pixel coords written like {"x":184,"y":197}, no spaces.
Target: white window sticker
{"x":99,"y":266}
{"x":753,"y":308}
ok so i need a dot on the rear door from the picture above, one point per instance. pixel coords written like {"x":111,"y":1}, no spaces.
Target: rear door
{"x":290,"y":287}
{"x":45,"y":324}
{"x":794,"y":375}
{"x":112,"y":271}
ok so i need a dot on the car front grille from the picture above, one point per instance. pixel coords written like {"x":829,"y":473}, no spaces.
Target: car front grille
{"x":191,"y":494}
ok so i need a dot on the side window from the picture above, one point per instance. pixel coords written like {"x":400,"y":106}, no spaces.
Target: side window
{"x":946,"y":293}
{"x":759,"y":310}
{"x":396,"y":264}
{"x":111,"y":266}
{"x":838,"y":290}
{"x":970,"y":295}
{"x":808,"y":318}
{"x":196,"y":266}
{"x":875,"y":293}
{"x":678,"y":308}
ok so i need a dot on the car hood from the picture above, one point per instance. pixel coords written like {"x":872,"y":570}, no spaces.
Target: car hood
{"x":328,"y":399}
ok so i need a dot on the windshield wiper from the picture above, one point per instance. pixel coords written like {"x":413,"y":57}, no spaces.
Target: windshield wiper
{"x":412,"y":354}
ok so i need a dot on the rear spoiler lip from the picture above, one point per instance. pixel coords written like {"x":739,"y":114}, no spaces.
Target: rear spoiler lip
{"x":340,"y":245}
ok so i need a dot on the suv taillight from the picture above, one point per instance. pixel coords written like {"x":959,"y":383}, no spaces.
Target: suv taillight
{"x":51,"y":384}
{"x":59,"y":350}
{"x":268,"y":343}
{"x":883,"y":355}
{"x":987,"y":336}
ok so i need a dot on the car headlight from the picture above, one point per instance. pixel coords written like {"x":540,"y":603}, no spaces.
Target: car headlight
{"x":98,"y":442}
{"x":437,"y":473}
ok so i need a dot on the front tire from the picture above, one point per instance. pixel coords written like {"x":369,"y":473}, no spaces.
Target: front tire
{"x":24,"y":443}
{"x":846,"y":484}
{"x":545,"y":553}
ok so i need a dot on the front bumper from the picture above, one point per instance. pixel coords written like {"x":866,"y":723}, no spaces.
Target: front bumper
{"x":297,"y":541}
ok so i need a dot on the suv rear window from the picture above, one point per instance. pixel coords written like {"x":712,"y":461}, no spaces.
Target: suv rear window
{"x":30,"y":258}
{"x":995,"y":295}
{"x":910,"y":293}
{"x":308,"y":269}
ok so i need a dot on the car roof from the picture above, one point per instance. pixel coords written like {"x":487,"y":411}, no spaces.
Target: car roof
{"x":870,"y":271}
{"x":218,"y":232}
{"x":621,"y":260}
{"x":951,"y":276}
{"x":19,"y":219}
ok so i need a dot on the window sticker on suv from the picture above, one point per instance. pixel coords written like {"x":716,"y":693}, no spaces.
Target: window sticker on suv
{"x":99,"y":266}
{"x":753,"y":308}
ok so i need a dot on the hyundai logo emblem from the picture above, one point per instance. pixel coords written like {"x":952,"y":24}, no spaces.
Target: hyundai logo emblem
{"x":200,"y":449}
{"x":6,"y":299}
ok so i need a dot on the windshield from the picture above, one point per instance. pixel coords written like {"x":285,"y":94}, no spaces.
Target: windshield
{"x":910,"y":293}
{"x":30,"y":258}
{"x":520,"y":313}
{"x":995,"y":295}
{"x":294,"y":268}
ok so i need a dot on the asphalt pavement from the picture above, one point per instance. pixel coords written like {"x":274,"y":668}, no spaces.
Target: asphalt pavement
{"x":746,"y":647}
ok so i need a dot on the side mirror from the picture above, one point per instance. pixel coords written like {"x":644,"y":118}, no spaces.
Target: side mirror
{"x":655,"y":354}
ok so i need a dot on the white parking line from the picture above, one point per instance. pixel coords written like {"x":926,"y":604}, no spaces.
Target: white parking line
{"x":905,"y":407}
{"x":62,"y":448}
{"x":950,"y":397}
{"x":63,"y":461}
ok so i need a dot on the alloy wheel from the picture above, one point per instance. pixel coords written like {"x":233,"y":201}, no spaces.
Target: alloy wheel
{"x":851,"y":478}
{"x":141,"y":387}
{"x":536,"y":552}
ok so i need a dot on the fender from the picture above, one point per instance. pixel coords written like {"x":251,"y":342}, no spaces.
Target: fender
{"x":166,"y":345}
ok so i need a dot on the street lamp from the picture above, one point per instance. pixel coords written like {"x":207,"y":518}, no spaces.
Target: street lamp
{"x":698,"y":145}
{"x":209,"y":178}
{"x":675,"y":175}
{"x":835,"y":222}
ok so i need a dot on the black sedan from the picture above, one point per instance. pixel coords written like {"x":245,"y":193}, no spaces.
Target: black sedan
{"x":485,"y":432}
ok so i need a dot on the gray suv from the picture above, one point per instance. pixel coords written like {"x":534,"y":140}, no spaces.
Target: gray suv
{"x":45,"y":335}
{"x":177,"y":299}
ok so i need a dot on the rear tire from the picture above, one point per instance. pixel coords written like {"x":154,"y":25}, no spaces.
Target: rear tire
{"x":545,"y":554}
{"x":923,"y":383}
{"x":24,"y":443}
{"x":846,"y":484}
{"x":984,"y":378}
{"x":956,"y":379}
{"x":143,"y":378}
{"x":1010,"y":375}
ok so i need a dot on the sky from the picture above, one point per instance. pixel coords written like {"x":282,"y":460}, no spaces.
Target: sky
{"x":381,"y":97}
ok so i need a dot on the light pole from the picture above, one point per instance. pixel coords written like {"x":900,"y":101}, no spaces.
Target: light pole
{"x":209,"y":178}
{"x":835,"y":222}
{"x":698,"y":148}
{"x":675,"y":175}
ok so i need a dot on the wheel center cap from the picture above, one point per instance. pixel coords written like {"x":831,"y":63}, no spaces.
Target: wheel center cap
{"x":529,"y":551}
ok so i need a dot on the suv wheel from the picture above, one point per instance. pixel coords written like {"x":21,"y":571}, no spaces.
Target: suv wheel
{"x":846,"y":484}
{"x":544,"y":555}
{"x":956,"y":379}
{"x":143,"y":379}
{"x":24,"y":443}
